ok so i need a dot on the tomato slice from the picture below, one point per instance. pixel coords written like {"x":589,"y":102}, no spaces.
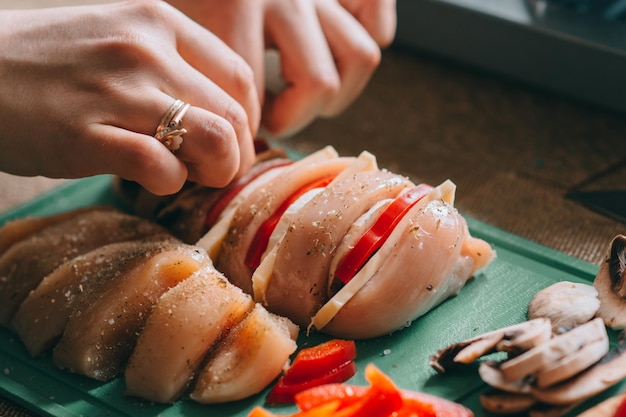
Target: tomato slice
{"x":284,"y":393}
{"x":231,"y":192}
{"x":262,"y":236}
{"x":312,"y":361}
{"x":621,"y":409}
{"x":376,"y":235}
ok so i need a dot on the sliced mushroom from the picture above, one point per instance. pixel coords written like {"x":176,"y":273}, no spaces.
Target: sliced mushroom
{"x":572,"y":364}
{"x":607,"y":372}
{"x":611,"y":284}
{"x":500,"y":402}
{"x":512,"y":339}
{"x":490,"y":373}
{"x":550,"y":410}
{"x":553,"y":350}
{"x":607,"y":407}
{"x":567,"y":305}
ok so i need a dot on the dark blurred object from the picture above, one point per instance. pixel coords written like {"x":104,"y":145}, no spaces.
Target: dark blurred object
{"x":608,"y":9}
{"x":576,"y":48}
{"x":610,"y":203}
{"x":605,"y":192}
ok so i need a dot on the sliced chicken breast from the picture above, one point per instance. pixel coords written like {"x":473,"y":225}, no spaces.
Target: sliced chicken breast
{"x":15,"y":230}
{"x":261,"y":206}
{"x":297,"y":285}
{"x":27,"y":262}
{"x":187,"y":321}
{"x":101,"y":331}
{"x":427,"y":258}
{"x":42,"y":317}
{"x":248,"y":359}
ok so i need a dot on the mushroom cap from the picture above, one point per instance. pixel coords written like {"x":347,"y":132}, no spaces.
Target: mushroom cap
{"x":501,"y":402}
{"x":610,"y":283}
{"x":607,"y":407}
{"x":567,"y":304}
{"x":490,"y":373}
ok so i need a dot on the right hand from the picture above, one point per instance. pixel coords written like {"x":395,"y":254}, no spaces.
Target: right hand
{"x":328,"y":50}
{"x":84,"y":88}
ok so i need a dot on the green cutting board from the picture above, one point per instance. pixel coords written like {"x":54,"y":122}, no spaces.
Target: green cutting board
{"x":494,"y":298}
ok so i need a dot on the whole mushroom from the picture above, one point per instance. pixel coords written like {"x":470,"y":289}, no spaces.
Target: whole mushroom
{"x":567,"y":305}
{"x":611,"y":284}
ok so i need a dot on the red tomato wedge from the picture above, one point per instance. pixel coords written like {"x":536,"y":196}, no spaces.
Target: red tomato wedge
{"x":378,"y":233}
{"x":233,"y":190}
{"x":262,"y":236}
{"x":310,"y":362}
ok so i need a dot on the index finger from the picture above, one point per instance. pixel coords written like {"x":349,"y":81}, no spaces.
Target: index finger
{"x":378,"y":17}
{"x":217,"y":61}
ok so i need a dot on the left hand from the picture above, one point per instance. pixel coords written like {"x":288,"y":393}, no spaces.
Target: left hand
{"x":328,"y":50}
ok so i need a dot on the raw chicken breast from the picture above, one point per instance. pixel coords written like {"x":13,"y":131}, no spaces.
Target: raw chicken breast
{"x":184,"y":325}
{"x":186,"y":217}
{"x":427,"y":258}
{"x":15,"y":230}
{"x":261,"y":205}
{"x":101,"y":331}
{"x":296,"y":285}
{"x":252,"y":355}
{"x":28,"y":261}
{"x":41,"y":318}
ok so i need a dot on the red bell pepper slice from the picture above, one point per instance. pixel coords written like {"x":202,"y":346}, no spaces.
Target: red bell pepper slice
{"x":284,"y":393}
{"x":233,"y":190}
{"x":381,"y":399}
{"x":378,"y":233}
{"x":427,"y":405}
{"x":260,"y":412}
{"x":310,"y":362}
{"x":344,"y":393}
{"x":262,"y":236}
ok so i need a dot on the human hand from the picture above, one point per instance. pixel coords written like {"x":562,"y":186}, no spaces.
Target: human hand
{"x":328,"y":49}
{"x":84,"y":88}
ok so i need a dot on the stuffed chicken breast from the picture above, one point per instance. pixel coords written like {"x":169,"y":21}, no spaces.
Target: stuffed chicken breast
{"x":331,"y":242}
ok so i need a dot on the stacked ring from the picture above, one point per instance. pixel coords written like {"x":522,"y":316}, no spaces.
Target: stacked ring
{"x":170,"y":130}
